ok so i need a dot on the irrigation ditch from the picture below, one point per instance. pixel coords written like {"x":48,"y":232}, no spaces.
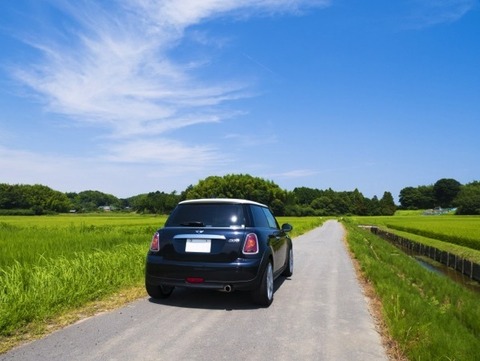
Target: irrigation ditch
{"x":465,"y":271}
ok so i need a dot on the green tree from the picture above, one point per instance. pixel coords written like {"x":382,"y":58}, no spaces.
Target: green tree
{"x":156,"y":202}
{"x":38,"y":198}
{"x":139,"y":203}
{"x":304,"y":195}
{"x":387,"y":205}
{"x":468,"y":199}
{"x":322,"y":205}
{"x":358,"y":203}
{"x":90,"y":200}
{"x":445,"y":191}
{"x":421,"y":197}
{"x":12,"y":197}
{"x":242,"y":186}
{"x":329,"y":202}
{"x":374,"y":206}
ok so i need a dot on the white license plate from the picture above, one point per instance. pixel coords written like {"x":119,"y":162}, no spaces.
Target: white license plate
{"x":198,"y":245}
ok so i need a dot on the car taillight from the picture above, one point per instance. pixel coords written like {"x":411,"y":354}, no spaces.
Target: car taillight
{"x":251,"y":244}
{"x":155,"y":245}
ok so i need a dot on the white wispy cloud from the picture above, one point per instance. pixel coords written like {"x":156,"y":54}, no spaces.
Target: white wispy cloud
{"x":296,"y":173}
{"x":183,"y":13}
{"x":250,"y":139}
{"x":113,"y":67}
{"x":432,"y":12}
{"x":162,"y":151}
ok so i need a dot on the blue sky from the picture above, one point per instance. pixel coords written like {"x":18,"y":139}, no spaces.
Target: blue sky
{"x":133,"y":96}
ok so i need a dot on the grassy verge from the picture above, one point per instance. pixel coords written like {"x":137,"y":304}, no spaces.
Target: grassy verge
{"x":36,"y":330}
{"x":429,"y":316}
{"x":33,"y":293}
{"x":301,"y":224}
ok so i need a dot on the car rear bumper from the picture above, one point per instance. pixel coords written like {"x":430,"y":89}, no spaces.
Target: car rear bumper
{"x":242,"y":274}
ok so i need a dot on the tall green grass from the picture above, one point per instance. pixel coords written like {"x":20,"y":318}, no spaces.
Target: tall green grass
{"x":431,"y":317}
{"x":52,"y":264}
{"x":32,"y":293}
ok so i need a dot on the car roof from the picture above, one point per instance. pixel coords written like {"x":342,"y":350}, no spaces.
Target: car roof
{"x":222,"y":200}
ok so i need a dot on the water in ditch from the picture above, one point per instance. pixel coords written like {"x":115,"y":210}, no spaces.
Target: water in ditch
{"x":436,"y":267}
{"x":443,"y":270}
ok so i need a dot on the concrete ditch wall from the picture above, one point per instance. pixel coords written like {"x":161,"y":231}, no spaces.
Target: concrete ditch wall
{"x":463,"y":265}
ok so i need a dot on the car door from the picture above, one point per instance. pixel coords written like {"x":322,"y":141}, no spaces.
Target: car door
{"x":266,"y":224}
{"x":278,"y":240}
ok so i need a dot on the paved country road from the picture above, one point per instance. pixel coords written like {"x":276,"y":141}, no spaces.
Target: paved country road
{"x":319,"y":313}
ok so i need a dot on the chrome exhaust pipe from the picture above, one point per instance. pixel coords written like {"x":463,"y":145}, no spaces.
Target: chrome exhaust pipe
{"x":227,"y":288}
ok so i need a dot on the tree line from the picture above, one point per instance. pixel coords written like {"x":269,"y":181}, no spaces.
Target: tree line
{"x":302,"y":201}
{"x":445,"y":193}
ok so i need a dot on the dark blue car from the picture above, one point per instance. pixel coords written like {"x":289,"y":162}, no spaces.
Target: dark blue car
{"x":220,"y":244}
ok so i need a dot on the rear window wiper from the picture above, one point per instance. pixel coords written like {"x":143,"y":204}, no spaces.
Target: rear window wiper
{"x":192,"y":224}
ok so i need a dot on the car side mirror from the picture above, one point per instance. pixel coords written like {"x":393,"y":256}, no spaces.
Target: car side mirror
{"x":286,"y":227}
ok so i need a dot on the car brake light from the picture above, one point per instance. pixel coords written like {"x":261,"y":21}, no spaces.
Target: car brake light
{"x":251,"y":244}
{"x":155,"y":245}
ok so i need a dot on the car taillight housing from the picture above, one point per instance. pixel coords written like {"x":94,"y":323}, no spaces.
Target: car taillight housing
{"x":251,"y":244}
{"x":155,"y":245}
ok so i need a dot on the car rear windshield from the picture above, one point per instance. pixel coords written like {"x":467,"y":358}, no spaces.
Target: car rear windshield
{"x":207,"y":215}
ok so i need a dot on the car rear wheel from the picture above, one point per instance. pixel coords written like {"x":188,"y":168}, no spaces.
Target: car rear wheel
{"x":288,"y":271}
{"x":264,"y":294}
{"x":159,"y":291}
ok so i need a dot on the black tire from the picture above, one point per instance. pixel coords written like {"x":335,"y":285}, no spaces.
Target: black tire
{"x":159,"y":291}
{"x":263,"y":295}
{"x":288,"y":271}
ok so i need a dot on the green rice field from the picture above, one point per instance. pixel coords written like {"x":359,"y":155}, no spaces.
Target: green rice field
{"x":54,"y":263}
{"x":457,"y":234}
